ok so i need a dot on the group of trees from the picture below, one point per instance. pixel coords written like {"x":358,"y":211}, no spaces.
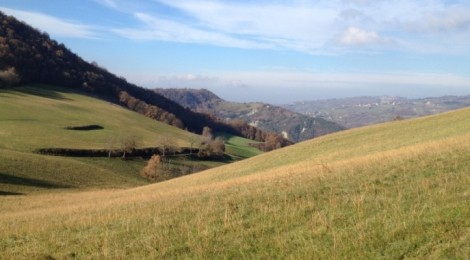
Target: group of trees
{"x":159,"y":168}
{"x":122,"y":144}
{"x":211,"y":147}
{"x":151,"y":111}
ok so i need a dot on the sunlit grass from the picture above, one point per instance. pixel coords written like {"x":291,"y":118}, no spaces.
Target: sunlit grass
{"x":239,"y":147}
{"x":392,"y":191}
{"x":33,"y":117}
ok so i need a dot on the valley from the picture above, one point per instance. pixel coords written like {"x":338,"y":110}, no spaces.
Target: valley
{"x":95,"y":167}
{"x":291,"y":125}
{"x":35,"y":117}
{"x":361,"y":111}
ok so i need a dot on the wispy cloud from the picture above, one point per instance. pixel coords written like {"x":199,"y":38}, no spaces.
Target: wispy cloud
{"x":310,"y":26}
{"x":167,"y":30}
{"x":302,"y":27}
{"x":53,"y":25}
{"x":108,"y":3}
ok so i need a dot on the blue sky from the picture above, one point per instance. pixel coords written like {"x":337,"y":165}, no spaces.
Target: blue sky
{"x":274,"y":51}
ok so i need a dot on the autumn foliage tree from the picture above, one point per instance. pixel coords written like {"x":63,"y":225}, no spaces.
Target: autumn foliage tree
{"x":154,"y":170}
{"x":9,"y":77}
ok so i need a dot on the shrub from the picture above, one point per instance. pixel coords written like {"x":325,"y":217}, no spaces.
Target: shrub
{"x":156,"y":169}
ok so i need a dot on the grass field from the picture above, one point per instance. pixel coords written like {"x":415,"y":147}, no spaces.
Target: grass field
{"x":33,"y":117}
{"x":393,"y":191}
{"x":239,"y":147}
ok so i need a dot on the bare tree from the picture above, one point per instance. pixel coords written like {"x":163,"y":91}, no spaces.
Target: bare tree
{"x":112,"y":144}
{"x":128,"y":144}
{"x":167,"y":144}
{"x":212,"y":148}
{"x":207,"y":134}
{"x":193,"y":139}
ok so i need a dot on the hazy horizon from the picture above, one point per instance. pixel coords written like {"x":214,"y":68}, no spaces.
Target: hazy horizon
{"x":270,"y":51}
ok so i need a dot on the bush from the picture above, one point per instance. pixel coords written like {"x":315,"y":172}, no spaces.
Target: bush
{"x":157,"y":169}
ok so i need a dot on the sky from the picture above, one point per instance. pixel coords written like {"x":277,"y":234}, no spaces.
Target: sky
{"x":275,"y":51}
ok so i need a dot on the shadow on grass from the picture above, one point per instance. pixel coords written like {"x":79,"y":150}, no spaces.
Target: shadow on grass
{"x":7,"y":193}
{"x":46,"y":92}
{"x":15,"y":180}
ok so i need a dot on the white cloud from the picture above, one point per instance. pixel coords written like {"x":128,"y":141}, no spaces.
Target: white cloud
{"x":356,"y":37}
{"x":52,"y":25}
{"x":151,"y":80}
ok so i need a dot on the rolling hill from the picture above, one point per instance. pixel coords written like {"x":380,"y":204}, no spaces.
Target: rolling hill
{"x":28,"y":56}
{"x":361,"y":111}
{"x":34,"y":117}
{"x":394,"y":190}
{"x":293,"y":126}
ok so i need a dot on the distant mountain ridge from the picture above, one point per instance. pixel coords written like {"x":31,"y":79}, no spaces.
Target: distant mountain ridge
{"x":362,"y":111}
{"x":292,"y":125}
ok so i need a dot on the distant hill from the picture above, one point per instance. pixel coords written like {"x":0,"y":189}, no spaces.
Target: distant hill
{"x":361,"y":111}
{"x":291,"y":125}
{"x":28,"y":56}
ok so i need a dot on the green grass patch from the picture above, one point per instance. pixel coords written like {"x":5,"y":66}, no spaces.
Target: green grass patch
{"x":239,"y":147}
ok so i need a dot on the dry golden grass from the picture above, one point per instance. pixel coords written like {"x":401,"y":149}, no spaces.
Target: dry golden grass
{"x":399,"y":190}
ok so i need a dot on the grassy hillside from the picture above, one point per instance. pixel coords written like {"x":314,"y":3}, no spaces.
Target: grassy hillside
{"x":33,"y":117}
{"x":397,"y":190}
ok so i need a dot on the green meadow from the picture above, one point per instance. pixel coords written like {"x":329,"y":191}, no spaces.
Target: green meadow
{"x":391,"y":191}
{"x":33,"y":117}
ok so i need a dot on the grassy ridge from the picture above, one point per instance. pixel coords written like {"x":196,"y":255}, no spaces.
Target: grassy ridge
{"x":399,"y":190}
{"x":33,"y":117}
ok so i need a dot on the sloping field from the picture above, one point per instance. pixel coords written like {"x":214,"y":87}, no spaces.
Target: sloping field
{"x":397,"y":190}
{"x":33,"y":117}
